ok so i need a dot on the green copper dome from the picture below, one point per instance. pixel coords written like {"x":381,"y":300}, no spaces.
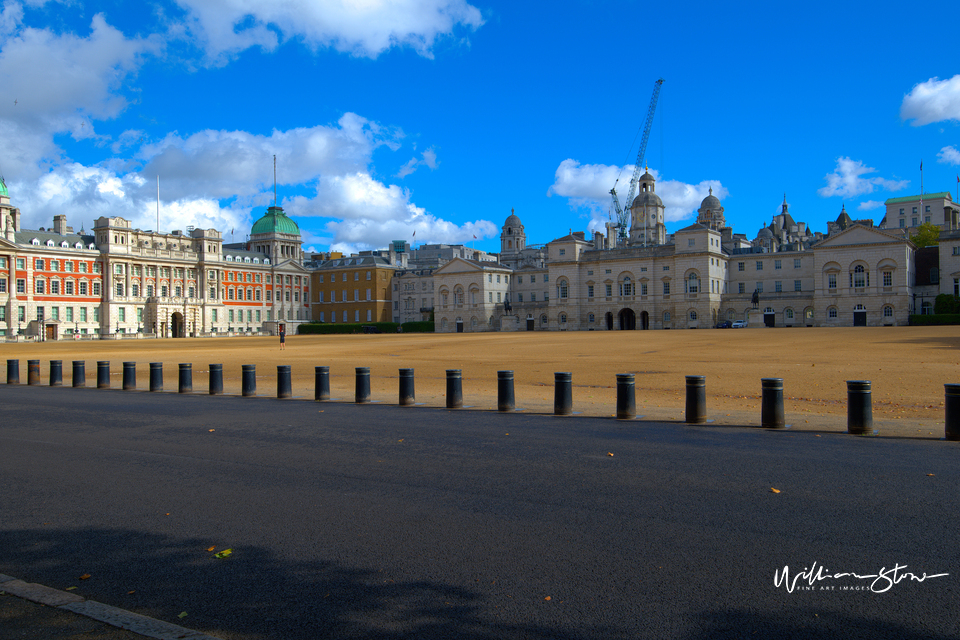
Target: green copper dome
{"x":275,"y":221}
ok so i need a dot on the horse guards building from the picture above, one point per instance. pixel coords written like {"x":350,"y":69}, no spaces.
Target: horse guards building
{"x":118,"y":282}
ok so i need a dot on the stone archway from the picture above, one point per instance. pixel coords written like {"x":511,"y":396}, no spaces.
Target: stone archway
{"x":627,"y":319}
{"x":176,"y":325}
{"x":644,"y":320}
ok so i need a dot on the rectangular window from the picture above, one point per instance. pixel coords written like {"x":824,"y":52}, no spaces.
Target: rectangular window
{"x":119,"y":288}
{"x":741,"y":287}
{"x":666,"y":288}
{"x":39,"y":286}
{"x":21,"y":263}
{"x":797,"y":285}
{"x":777,"y":264}
{"x":122,"y":314}
{"x":68,"y":287}
{"x":778,"y":286}
{"x":589,"y":273}
{"x":489,"y":296}
{"x":55,"y":313}
{"x":888,"y":278}
{"x":54,"y":265}
{"x":96,"y":314}
{"x":832,"y":281}
{"x":135,"y":290}
{"x":691,"y":242}
{"x":230,"y":315}
{"x":213,"y":315}
{"x":589,"y":290}
{"x":83,"y":288}
{"x":139,"y":314}
{"x":3,"y":285}
{"x":608,"y":289}
{"x":643,"y":288}
{"x":38,"y":264}
{"x":759,"y":265}
{"x":83,"y":314}
{"x":22,"y":314}
{"x":533,"y":297}
{"x":55,"y":287}
{"x":913,"y":222}
{"x":796,"y":263}
{"x":40,"y":315}
{"x":759,"y":287}
{"x":69,"y":314}
{"x":21,"y":285}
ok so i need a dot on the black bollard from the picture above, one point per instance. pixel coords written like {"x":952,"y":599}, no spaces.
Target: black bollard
{"x":129,"y":376}
{"x":248,"y":380}
{"x":363,"y":385}
{"x":216,"y":379}
{"x":407,"y":395}
{"x":186,"y":378}
{"x":626,"y":396}
{"x":33,"y":372}
{"x":951,"y":409}
{"x":156,"y":376}
{"x":696,"y":399}
{"x":13,"y":372}
{"x":454,"y":389}
{"x":859,"y":407}
{"x":103,"y":374}
{"x":56,"y":373}
{"x":79,"y":373}
{"x":284,"y":388}
{"x":505,"y":397}
{"x":321,"y":391}
{"x":563,"y":393}
{"x":771,"y":403}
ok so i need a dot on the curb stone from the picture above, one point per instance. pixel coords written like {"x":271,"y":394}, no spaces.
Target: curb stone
{"x":149,"y":627}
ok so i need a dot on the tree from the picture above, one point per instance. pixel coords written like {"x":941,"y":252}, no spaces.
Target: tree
{"x":928,"y":234}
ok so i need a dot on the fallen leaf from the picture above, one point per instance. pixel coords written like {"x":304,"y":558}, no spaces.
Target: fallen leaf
{"x":929,"y":474}
{"x":547,"y":598}
{"x":212,"y":430}
{"x":131,"y":592}
{"x":182,"y":614}
{"x":70,"y":588}
{"x":85,"y":576}
{"x":212,"y":548}
{"x":774,"y":490}
{"x":223,"y":554}
{"x":609,"y":454}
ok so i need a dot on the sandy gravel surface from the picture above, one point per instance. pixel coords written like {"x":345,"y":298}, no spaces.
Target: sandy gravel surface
{"x":907,"y":365}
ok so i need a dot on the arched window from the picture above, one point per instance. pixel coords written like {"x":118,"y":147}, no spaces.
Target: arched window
{"x":562,"y":289}
{"x":627,"y":288}
{"x":859,"y":278}
{"x":458,"y":295}
{"x":693,"y":283}
{"x":789,"y":314}
{"x":693,"y":314}
{"x":666,"y":316}
{"x":563,"y":318}
{"x":832,"y":312}
{"x":591,"y":318}
{"x":443,"y":324}
{"x":888,"y":311}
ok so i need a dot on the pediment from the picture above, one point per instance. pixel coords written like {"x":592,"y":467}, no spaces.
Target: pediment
{"x":859,"y":234}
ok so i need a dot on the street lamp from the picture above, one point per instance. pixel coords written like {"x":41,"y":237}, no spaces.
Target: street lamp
{"x":76,"y":327}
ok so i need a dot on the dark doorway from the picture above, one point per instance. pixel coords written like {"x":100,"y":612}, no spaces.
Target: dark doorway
{"x":628,"y":320}
{"x":176,"y":324}
{"x":459,"y":326}
{"x":609,"y":319}
{"x":530,"y":324}
{"x":859,"y":318}
{"x":51,"y":331}
{"x":644,"y":320}
{"x":770,"y":319}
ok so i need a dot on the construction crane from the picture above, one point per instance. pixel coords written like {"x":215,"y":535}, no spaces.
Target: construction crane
{"x":623,"y":213}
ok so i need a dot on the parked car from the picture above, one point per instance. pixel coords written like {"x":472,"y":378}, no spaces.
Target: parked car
{"x":739,"y":324}
{"x":726,"y":324}
{"x":367,"y":328}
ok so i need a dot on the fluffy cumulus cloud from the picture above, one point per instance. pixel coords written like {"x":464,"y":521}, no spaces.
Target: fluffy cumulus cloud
{"x":949,"y":155}
{"x":850,"y":178}
{"x":935,"y":100}
{"x":869,"y":205}
{"x":368,"y":28}
{"x":365,"y":214}
{"x":427,"y":159}
{"x":587,"y":186}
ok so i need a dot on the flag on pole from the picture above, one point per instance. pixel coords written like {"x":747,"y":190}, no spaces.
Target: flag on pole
{"x":414,"y":233}
{"x":474,"y":237}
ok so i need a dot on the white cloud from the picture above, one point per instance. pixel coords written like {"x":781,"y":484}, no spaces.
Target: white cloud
{"x":367,"y":214}
{"x":848,"y":180}
{"x":932,"y":101}
{"x":427,"y":159}
{"x":949,"y":155}
{"x":366,"y":28}
{"x":869,"y":205}
{"x":588,"y":186}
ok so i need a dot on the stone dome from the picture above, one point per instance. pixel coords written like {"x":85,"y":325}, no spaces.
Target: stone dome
{"x":711,"y":202}
{"x":648,"y":198}
{"x":512,"y":221}
{"x":275,"y":221}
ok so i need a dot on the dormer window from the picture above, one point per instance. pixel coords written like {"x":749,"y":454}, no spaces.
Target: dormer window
{"x":79,"y":245}
{"x":35,"y":242}
{"x":49,"y":243}
{"x":64,"y":245}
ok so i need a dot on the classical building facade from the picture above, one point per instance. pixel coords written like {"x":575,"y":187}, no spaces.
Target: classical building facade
{"x":354,"y":289}
{"x":117,"y":280}
{"x":703,"y":274}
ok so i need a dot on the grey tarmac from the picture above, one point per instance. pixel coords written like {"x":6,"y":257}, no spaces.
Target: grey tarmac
{"x":379,"y":521}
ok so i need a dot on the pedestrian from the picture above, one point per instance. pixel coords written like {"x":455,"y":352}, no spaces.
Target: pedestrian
{"x":283,"y":337}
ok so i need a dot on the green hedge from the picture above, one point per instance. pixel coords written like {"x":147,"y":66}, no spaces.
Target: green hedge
{"x":934,"y":319}
{"x":417,"y":327}
{"x":357,"y":327}
{"x":946,"y":303}
{"x":339,"y":327}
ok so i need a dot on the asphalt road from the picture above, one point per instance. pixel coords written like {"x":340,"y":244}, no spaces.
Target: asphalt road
{"x":379,"y":521}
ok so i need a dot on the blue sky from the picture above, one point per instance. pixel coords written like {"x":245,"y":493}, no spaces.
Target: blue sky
{"x":440,"y":116}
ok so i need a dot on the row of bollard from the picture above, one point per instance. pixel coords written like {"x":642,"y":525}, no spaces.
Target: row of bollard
{"x":859,"y":403}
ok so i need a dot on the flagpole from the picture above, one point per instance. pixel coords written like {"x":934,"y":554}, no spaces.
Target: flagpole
{"x":158,"y":203}
{"x":921,"y":191}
